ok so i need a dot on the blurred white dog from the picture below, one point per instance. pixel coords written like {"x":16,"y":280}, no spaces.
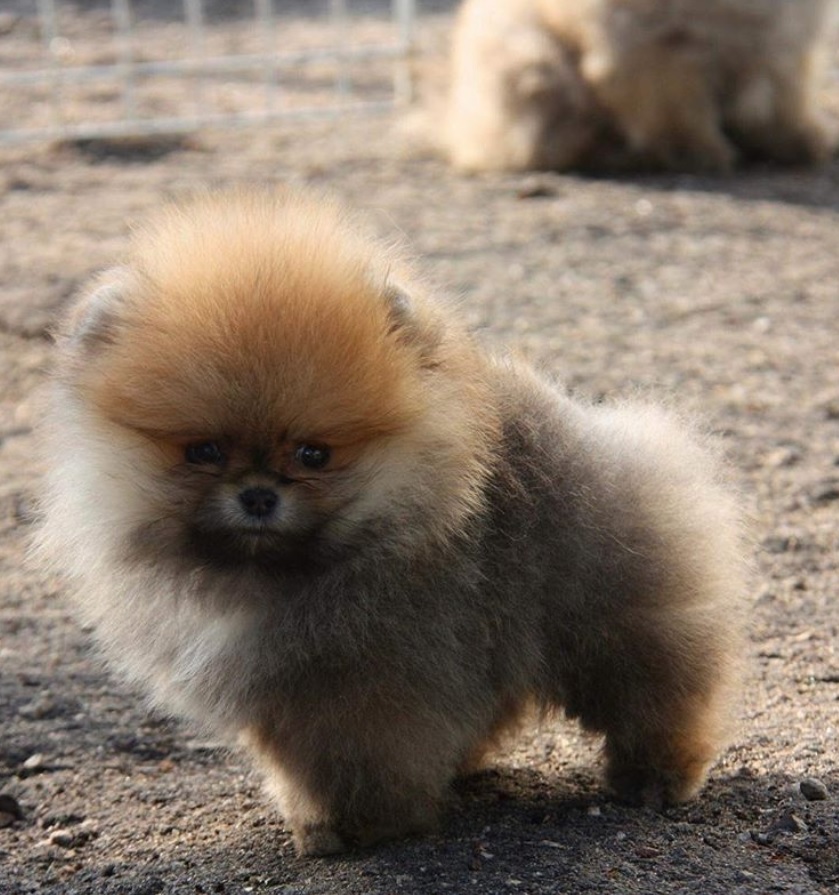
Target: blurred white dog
{"x":673,"y":84}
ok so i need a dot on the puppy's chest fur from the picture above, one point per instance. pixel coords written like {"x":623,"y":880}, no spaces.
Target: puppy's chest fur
{"x":467,"y":619}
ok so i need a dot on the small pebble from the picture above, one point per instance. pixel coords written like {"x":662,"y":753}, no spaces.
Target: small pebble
{"x":784,"y":457}
{"x":34,"y":762}
{"x":536,"y":189}
{"x":38,"y":709}
{"x":786,"y":542}
{"x":825,"y":492}
{"x":62,"y":838}
{"x":788,"y":822}
{"x":75,"y":838}
{"x":796,"y":824}
{"x":813,"y":790}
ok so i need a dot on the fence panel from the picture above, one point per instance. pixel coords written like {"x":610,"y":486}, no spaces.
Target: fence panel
{"x":82,"y":69}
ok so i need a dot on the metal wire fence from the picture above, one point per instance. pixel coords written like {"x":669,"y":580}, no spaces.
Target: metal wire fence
{"x":85,"y":69}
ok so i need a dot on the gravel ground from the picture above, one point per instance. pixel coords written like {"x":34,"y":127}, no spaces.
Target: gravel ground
{"x":719,"y":295}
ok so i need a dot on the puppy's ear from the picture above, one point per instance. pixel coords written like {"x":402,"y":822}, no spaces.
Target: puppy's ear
{"x":400,"y":307}
{"x":91,"y":321}
{"x":411,"y":323}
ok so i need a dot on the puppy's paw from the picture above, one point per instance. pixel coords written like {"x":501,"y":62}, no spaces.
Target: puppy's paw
{"x":650,"y":788}
{"x":317,"y":841}
{"x":658,"y":777}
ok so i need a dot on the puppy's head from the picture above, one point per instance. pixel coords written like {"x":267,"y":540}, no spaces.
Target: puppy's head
{"x":255,"y":386}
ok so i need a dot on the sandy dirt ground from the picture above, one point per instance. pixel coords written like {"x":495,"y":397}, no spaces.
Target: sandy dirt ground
{"x":720,"y":295}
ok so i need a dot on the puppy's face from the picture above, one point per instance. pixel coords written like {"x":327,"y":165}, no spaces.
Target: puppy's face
{"x":276,"y":499}
{"x":260,"y":389}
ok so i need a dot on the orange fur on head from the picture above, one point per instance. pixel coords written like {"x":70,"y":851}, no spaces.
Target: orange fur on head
{"x":265,"y":315}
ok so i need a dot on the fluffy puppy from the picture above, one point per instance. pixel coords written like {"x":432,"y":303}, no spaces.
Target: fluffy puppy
{"x":681,"y":84}
{"x":305,"y":508}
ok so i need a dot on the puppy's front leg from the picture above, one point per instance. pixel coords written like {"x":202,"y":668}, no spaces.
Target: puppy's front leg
{"x":340,"y":788}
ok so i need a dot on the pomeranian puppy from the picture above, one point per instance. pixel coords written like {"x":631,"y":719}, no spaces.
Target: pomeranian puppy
{"x":305,"y":508}
{"x":673,"y":84}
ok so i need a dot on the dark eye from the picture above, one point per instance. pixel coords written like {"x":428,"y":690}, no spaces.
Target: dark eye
{"x":312,"y":457}
{"x":204,"y":453}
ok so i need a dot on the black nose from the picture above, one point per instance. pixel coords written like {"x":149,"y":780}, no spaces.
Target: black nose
{"x":259,"y":502}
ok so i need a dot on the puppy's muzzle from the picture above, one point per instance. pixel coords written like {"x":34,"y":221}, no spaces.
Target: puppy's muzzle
{"x":259,"y":502}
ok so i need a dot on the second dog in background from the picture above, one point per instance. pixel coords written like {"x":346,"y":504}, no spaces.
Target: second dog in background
{"x":668,"y":84}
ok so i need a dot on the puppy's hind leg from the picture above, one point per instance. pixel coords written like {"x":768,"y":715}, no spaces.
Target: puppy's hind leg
{"x":657,"y":685}
{"x":676,"y":719}
{"x":662,"y":755}
{"x":646,"y":645}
